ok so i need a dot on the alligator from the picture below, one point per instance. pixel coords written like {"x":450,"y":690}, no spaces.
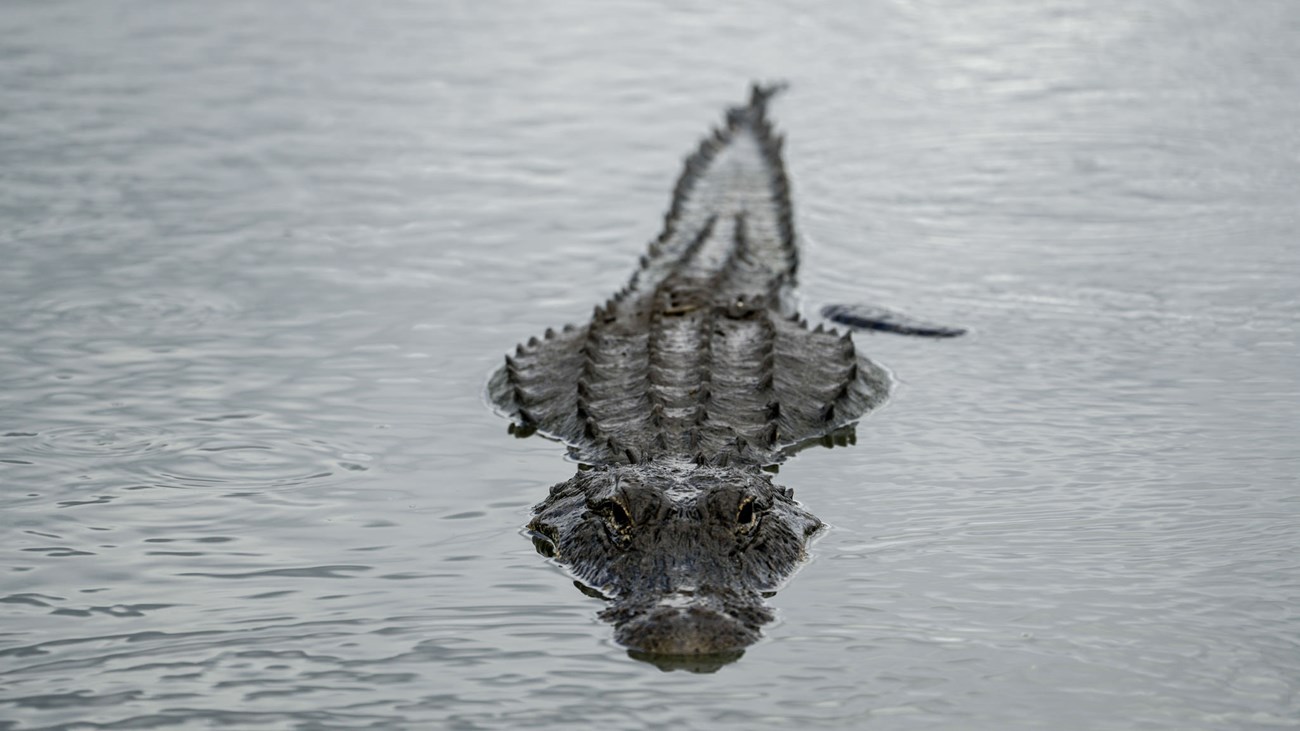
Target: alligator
{"x":677,"y":399}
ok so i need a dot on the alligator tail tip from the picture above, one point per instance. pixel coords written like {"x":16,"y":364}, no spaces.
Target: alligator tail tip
{"x":760,"y":92}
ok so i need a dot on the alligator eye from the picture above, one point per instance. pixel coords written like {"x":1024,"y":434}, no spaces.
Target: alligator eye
{"x":616,"y":514}
{"x":746,"y":514}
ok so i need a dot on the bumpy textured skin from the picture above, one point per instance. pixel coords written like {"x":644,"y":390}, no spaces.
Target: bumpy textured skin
{"x":676,"y":393}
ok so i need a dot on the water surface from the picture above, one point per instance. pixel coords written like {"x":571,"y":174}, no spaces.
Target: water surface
{"x":259,"y":259}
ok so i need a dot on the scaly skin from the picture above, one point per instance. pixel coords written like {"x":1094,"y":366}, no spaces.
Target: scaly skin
{"x":676,"y":394}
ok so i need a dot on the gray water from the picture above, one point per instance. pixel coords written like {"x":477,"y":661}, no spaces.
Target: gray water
{"x":258,"y":260}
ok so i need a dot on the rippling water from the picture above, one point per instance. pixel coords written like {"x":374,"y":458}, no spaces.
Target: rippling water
{"x":258,"y":260}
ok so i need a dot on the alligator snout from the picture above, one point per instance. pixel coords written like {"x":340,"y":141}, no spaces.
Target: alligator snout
{"x":689,"y":630}
{"x":688,"y":622}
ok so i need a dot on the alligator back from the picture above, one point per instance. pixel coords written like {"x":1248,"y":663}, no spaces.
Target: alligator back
{"x":699,"y":355}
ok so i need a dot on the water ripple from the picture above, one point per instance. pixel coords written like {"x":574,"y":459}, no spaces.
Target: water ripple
{"x":149,"y":310}
{"x":246,"y":315}
{"x":105,"y":442}
{"x":1121,"y":184}
{"x":194,"y":454}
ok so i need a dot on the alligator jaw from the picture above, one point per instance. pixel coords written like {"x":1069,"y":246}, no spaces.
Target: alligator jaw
{"x":689,"y":623}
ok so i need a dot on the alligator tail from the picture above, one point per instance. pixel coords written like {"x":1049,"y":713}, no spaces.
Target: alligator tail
{"x":733,"y":192}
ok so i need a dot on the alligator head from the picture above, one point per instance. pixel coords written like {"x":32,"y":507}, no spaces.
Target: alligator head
{"x":684,"y":553}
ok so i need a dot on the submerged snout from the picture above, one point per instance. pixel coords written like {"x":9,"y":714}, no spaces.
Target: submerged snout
{"x":690,"y":630}
{"x":689,"y":625}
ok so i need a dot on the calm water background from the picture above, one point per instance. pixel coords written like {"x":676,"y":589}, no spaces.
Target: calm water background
{"x":258,"y":260}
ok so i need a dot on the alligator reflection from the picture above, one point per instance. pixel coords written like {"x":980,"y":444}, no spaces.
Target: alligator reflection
{"x":677,"y":398}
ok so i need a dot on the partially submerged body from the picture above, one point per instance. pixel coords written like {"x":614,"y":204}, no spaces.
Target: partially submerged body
{"x":676,"y":394}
